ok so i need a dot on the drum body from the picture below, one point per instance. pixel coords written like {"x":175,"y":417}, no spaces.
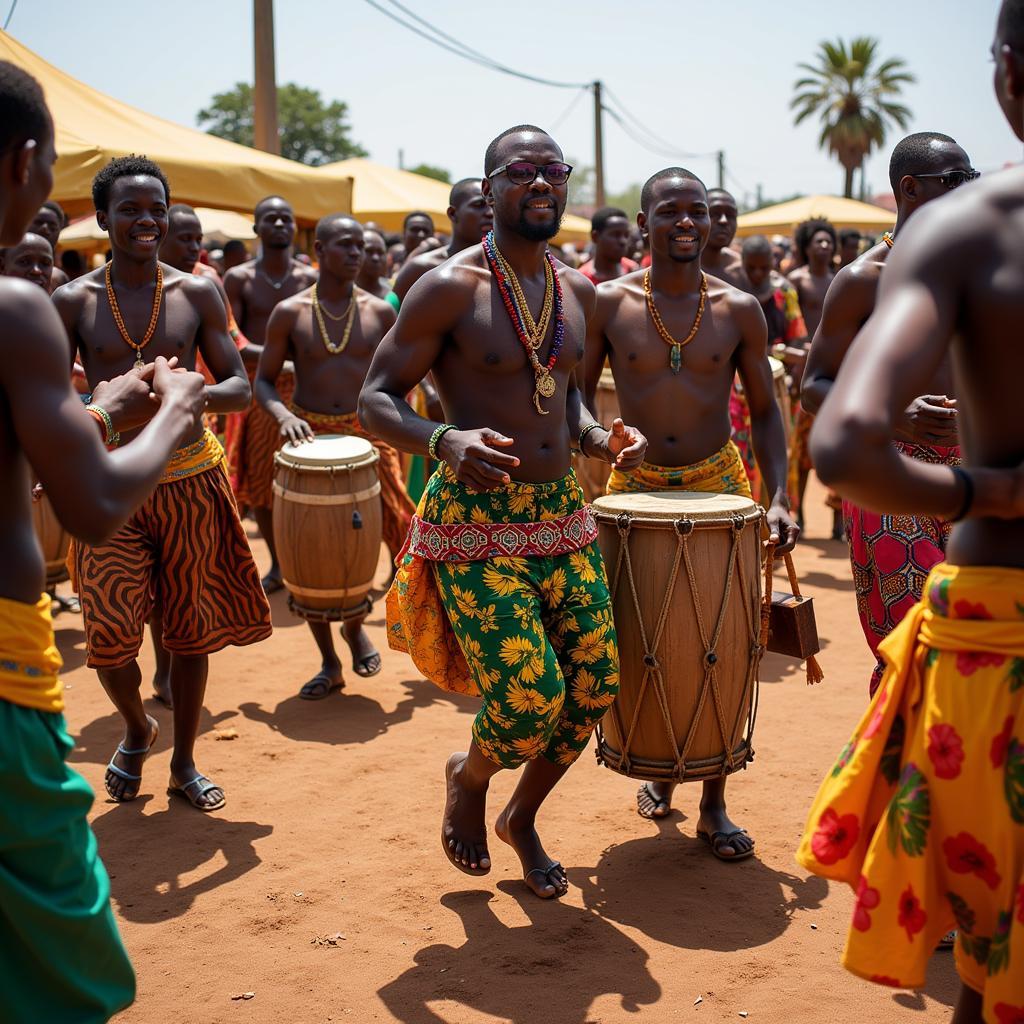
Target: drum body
{"x":593,"y":473}
{"x":685,"y":574}
{"x":53,"y":539}
{"x":327,"y":524}
{"x":782,"y":396}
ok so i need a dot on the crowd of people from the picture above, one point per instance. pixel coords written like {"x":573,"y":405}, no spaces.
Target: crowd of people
{"x":146,"y":400}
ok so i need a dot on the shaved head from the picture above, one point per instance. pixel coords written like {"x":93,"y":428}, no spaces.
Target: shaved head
{"x":327,"y":227}
{"x":669,"y":174}
{"x":492,"y":158}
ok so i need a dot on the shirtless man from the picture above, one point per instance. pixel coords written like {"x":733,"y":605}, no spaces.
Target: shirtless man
{"x":610,"y":235}
{"x":54,"y":891}
{"x":471,"y":219}
{"x":950,"y":710}
{"x":185,"y":548}
{"x":254,"y":289}
{"x":684,"y":412}
{"x":816,"y":241}
{"x":533,"y":635}
{"x":50,"y":222}
{"x":892,"y":554}
{"x":718,"y":259}
{"x":849,"y":247}
{"x":31,"y":260}
{"x":373,"y":270}
{"x":306,"y":329}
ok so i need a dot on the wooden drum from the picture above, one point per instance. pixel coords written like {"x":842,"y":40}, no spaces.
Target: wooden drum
{"x":53,"y":539}
{"x":782,"y":395}
{"x":593,"y":473}
{"x":327,"y":524}
{"x":685,"y":576}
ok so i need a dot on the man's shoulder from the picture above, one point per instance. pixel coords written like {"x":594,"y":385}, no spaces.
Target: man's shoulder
{"x":24,"y":307}
{"x":307,"y":273}
{"x":77,"y":290}
{"x":372,"y":304}
{"x":197,"y":287}
{"x":242,"y":272}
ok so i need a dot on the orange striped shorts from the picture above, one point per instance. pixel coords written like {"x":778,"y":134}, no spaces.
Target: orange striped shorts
{"x":186,"y":547}
{"x":252,"y":443}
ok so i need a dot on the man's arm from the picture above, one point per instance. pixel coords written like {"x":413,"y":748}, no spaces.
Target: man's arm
{"x":231,"y":393}
{"x":275,"y":352}
{"x":92,"y":492}
{"x":234,"y":288}
{"x":767,"y":433}
{"x":893,"y":358}
{"x":597,"y":348}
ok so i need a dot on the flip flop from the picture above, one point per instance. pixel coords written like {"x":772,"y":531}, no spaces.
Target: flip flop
{"x":546,"y":872}
{"x":716,"y":840}
{"x":361,"y":666}
{"x":321,"y":686}
{"x":68,"y":604}
{"x":127,"y":776}
{"x":948,"y":941}
{"x":645,"y":790}
{"x":204,"y":787}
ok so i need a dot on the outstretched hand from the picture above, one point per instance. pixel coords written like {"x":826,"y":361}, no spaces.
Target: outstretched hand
{"x":296,"y":430}
{"x":624,"y":447}
{"x":474,"y":457}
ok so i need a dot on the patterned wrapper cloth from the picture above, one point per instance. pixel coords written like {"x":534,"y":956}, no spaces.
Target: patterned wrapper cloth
{"x":395,"y":504}
{"x":504,"y":594}
{"x":184,"y":545}
{"x":721,"y":473}
{"x":62,"y":955}
{"x":251,"y":441}
{"x":923,"y":813}
{"x":892,"y":556}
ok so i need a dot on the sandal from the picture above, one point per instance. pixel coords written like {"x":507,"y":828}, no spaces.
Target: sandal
{"x":205,"y":785}
{"x":716,"y":840}
{"x":645,"y":790}
{"x":127,"y":776}
{"x":321,"y":686}
{"x":546,"y":872}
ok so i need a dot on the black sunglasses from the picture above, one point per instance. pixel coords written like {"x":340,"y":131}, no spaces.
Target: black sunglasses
{"x":523,"y":172}
{"x":952,"y":179}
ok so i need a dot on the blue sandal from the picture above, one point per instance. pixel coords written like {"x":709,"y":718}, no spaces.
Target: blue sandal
{"x":205,"y":785}
{"x":127,"y":776}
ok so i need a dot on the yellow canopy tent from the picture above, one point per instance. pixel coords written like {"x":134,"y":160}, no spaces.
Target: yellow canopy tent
{"x":202,"y":169}
{"x":386,"y":194}
{"x":843,"y":213}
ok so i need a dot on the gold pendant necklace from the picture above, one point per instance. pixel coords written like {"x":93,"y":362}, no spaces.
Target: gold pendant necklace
{"x":349,"y":316}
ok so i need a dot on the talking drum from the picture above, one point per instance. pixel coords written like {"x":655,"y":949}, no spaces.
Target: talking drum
{"x":594,"y":473}
{"x":685,"y":574}
{"x":327,"y":524}
{"x":54,"y":541}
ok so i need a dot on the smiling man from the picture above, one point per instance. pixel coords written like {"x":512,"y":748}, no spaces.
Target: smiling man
{"x":31,"y":260}
{"x":610,"y":234}
{"x":185,"y":547}
{"x":479,"y":604}
{"x":675,"y":339}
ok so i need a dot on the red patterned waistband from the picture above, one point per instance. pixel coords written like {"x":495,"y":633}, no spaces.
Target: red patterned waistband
{"x":470,"y":542}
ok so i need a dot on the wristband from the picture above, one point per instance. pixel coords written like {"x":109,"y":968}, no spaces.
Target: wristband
{"x":968,"y":484}
{"x":583,"y":433}
{"x":435,"y":438}
{"x":111,"y":437}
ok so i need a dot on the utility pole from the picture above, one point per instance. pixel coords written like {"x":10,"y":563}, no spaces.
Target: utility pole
{"x":721,"y":168}
{"x":265,"y":135}
{"x":401,"y":159}
{"x":598,"y":147}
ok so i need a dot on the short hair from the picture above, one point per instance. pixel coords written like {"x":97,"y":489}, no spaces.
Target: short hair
{"x":756,"y":245}
{"x":722,"y":192}
{"x":1010,"y":26}
{"x":325,"y":224}
{"x":806,"y":230}
{"x":916,"y":154}
{"x":600,"y":219}
{"x":417,"y":213}
{"x":849,"y":235}
{"x":125,"y":167}
{"x":264,"y":201}
{"x":23,"y":113}
{"x":461,"y":189}
{"x":233,"y":245}
{"x":667,"y":174}
{"x":373,"y":231}
{"x":52,"y":204}
{"x":183,"y":208}
{"x":491,"y":156}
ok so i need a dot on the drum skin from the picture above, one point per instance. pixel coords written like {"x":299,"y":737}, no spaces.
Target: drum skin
{"x":327,"y":524}
{"x":54,"y":541}
{"x":709,"y":713}
{"x":593,"y":473}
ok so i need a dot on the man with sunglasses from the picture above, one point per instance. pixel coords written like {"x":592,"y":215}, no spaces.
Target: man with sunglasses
{"x":892,"y":555}
{"x":501,"y":589}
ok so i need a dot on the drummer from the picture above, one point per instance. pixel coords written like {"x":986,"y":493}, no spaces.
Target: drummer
{"x":331,"y":331}
{"x":675,"y":337}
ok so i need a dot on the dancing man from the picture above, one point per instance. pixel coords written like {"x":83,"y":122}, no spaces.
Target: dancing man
{"x":923,"y":813}
{"x":184,"y":550}
{"x":502,"y":589}
{"x":675,"y":338}
{"x":331,"y":332}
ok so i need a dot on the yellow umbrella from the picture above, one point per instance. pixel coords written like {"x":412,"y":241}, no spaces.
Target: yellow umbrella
{"x":202,"y":169}
{"x":843,"y":213}
{"x":386,"y":194}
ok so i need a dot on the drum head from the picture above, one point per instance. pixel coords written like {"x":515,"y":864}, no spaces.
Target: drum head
{"x":607,"y":379}
{"x":329,"y":450}
{"x":669,"y":505}
{"x":778,"y":367}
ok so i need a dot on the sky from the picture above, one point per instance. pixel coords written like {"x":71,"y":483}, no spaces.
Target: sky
{"x":703,"y":77}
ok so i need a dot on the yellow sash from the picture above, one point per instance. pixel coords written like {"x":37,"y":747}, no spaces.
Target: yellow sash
{"x":194,"y":459}
{"x":29,"y":661}
{"x":721,"y":473}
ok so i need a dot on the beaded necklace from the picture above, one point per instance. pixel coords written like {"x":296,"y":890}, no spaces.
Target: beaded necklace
{"x":531,"y":333}
{"x":153,"y":316}
{"x":675,"y":359}
{"x":350,"y":319}
{"x":888,"y":237}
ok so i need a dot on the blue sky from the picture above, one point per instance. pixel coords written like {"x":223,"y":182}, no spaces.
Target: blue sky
{"x":702,"y":76}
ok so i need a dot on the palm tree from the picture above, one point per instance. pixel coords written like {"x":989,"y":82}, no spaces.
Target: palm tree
{"x":855,"y":97}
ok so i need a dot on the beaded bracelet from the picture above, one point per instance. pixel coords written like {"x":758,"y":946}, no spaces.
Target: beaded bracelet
{"x":583,"y":433}
{"x":111,"y":437}
{"x":435,"y":438}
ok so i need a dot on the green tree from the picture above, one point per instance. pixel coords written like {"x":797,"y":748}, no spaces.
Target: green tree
{"x":855,"y":96}
{"x":311,"y":131}
{"x":430,"y":171}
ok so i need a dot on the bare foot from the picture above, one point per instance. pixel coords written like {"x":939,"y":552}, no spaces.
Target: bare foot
{"x":654,"y":799}
{"x":124,"y":773}
{"x":463,"y":832}
{"x":365,"y":657}
{"x":545,"y":877}
{"x":162,"y":688}
{"x":727,"y":840}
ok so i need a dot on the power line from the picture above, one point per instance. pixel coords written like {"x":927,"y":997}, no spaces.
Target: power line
{"x":10,"y":14}
{"x":666,"y":151}
{"x":557,"y":123}
{"x":465,"y":52}
{"x":667,"y":147}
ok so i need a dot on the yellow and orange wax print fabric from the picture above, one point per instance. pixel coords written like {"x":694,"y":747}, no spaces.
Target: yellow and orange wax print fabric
{"x":923,"y":813}
{"x":29,"y":661}
{"x":721,"y":473}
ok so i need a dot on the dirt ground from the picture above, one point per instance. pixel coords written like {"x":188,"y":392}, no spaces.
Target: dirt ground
{"x":322,"y":889}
